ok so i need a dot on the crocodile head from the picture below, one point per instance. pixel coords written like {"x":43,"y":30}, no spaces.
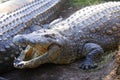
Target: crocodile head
{"x":43,"y":46}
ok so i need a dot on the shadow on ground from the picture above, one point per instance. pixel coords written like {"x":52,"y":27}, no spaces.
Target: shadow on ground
{"x":60,"y":72}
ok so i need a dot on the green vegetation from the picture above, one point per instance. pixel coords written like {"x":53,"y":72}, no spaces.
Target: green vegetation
{"x":77,"y":3}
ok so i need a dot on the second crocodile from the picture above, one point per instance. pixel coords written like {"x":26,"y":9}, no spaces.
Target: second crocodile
{"x":20,"y":21}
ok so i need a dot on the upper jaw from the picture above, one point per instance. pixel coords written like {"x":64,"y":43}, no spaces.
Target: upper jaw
{"x":23,"y":41}
{"x":19,"y":40}
{"x":35,"y":47}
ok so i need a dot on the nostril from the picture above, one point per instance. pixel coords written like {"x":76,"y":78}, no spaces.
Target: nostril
{"x":23,"y":47}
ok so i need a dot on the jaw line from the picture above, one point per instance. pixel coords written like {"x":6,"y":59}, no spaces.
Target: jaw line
{"x":40,"y":59}
{"x":34,"y":51}
{"x":48,"y":56}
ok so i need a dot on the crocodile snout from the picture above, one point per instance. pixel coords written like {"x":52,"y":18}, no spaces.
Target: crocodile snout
{"x":19,"y":40}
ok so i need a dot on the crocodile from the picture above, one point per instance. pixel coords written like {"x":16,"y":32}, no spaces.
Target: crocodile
{"x":88,"y":33}
{"x":21,"y":21}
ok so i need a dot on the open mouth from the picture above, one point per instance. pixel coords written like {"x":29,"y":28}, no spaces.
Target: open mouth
{"x":32,"y":56}
{"x":39,"y":50}
{"x":31,"y":52}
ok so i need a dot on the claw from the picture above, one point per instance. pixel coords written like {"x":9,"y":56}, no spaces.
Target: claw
{"x":88,"y":65}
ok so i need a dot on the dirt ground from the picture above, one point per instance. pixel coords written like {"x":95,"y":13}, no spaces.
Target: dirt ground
{"x":62,"y":72}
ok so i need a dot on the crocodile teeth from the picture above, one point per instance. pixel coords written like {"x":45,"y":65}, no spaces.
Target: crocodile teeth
{"x":22,"y":47}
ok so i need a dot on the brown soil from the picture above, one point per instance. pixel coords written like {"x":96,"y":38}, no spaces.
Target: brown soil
{"x":115,"y":73}
{"x":62,"y":72}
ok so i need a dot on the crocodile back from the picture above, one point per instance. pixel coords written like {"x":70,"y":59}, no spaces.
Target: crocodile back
{"x":99,"y":24}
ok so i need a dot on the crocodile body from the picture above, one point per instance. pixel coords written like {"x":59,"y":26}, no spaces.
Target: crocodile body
{"x":20,"y":21}
{"x":88,"y":32}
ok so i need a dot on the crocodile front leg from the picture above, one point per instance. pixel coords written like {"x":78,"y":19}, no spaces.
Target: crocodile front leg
{"x":47,"y":57}
{"x":91,"y":49}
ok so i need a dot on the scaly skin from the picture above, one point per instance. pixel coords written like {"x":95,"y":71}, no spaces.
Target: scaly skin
{"x":21,"y":21}
{"x":88,"y":32}
{"x":11,"y":5}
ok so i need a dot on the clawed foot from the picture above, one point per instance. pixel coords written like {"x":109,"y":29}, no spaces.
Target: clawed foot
{"x":88,"y":64}
{"x":19,"y":64}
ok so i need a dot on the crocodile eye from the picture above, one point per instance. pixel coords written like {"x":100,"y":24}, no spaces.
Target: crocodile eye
{"x":53,"y":35}
{"x":50,"y":35}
